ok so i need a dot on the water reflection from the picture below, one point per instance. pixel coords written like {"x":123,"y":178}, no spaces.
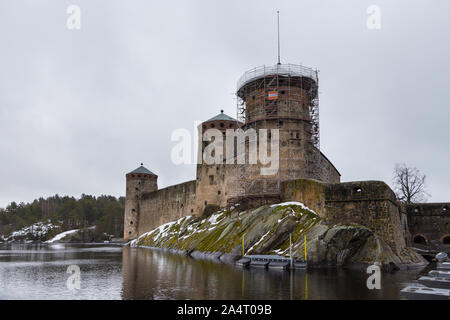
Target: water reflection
{"x":113,"y":272}
{"x":149,"y":274}
{"x":40,"y":271}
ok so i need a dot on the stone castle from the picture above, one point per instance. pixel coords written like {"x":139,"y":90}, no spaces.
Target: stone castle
{"x":283,"y":97}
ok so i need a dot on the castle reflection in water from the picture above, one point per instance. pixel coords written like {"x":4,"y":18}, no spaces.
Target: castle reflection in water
{"x":154,"y":274}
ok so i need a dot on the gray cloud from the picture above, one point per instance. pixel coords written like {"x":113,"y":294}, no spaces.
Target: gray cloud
{"x":79,"y":109}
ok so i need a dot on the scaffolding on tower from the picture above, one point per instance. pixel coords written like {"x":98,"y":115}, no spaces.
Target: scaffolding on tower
{"x":266,"y":108}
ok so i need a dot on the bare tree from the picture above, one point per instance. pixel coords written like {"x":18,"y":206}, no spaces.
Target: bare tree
{"x":409,"y":184}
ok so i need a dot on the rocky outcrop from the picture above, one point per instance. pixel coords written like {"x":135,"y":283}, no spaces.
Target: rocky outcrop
{"x":227,"y":235}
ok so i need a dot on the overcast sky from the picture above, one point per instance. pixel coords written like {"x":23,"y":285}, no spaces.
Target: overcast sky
{"x":80,"y":108}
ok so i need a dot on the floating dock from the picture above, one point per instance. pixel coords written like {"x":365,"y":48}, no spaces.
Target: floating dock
{"x":443,"y":265}
{"x":435,"y":282}
{"x":435,"y":286}
{"x":279,"y":265}
{"x":425,"y":293}
{"x":274,"y":262}
{"x":440,"y":274}
{"x":243,"y":262}
{"x":259,"y":264}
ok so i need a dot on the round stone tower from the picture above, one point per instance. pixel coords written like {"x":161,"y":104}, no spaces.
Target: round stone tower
{"x":138,"y":181}
{"x":283,"y":97}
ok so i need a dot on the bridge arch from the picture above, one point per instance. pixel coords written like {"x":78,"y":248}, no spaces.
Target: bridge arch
{"x":420,"y":239}
{"x":445,"y":239}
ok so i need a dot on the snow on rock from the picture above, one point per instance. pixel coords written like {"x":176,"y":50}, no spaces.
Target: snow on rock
{"x":161,"y":232}
{"x":166,"y":230}
{"x":293,"y":203}
{"x":280,"y":251}
{"x":61,"y":236}
{"x":214,"y":219}
{"x":257,"y":243}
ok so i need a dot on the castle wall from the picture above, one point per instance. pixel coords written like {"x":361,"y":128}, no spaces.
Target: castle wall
{"x":326,"y":171}
{"x":368,"y":203}
{"x":211,"y":186}
{"x":164,"y":205}
{"x":307,"y":191}
{"x":430,"y":221}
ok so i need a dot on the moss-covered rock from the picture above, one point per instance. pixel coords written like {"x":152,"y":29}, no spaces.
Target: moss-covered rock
{"x":267,"y":230}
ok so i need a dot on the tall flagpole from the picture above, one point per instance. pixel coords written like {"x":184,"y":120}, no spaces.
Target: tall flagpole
{"x":278,"y":21}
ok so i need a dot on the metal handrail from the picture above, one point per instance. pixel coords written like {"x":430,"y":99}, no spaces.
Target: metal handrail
{"x":292,"y":70}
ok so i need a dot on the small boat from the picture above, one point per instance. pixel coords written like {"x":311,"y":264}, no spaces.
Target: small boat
{"x":441,"y":256}
{"x":435,"y":282}
{"x":243,"y":262}
{"x":424,"y":293}
{"x":440,"y":273}
{"x":279,"y":265}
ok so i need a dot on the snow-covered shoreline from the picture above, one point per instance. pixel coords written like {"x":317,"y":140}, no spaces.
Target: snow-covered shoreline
{"x":47,"y":232}
{"x":32,"y":233}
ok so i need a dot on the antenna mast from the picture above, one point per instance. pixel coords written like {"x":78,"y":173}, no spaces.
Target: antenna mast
{"x":278,"y":21}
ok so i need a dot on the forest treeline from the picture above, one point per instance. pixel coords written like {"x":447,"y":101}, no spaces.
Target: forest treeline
{"x":104,"y":212}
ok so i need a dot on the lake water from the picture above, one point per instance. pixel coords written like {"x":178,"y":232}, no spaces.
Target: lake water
{"x":113,"y":272}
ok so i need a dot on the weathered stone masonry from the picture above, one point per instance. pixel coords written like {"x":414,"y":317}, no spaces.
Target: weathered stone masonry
{"x":429,"y":224}
{"x":368,"y":203}
{"x":138,"y":182}
{"x":165,"y":205}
